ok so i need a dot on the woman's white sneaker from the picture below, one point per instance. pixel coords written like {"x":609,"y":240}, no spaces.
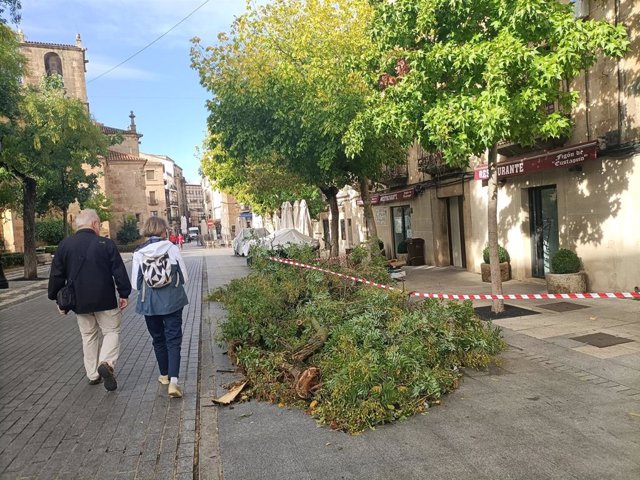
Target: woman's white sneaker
{"x":174,"y":391}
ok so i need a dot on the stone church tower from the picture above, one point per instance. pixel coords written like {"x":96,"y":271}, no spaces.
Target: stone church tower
{"x":122,"y":174}
{"x":68,"y":61}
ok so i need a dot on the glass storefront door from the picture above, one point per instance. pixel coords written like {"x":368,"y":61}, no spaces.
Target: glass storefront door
{"x":543,"y":215}
{"x":401,"y":226}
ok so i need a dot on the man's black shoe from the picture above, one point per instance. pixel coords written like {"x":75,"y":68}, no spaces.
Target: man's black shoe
{"x":106,"y":372}
{"x":95,"y":381}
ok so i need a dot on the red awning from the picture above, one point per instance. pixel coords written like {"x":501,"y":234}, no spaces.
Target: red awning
{"x":558,"y":158}
{"x":377,"y":198}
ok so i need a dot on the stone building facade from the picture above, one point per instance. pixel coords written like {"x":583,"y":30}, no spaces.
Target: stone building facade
{"x":580,"y":193}
{"x":68,"y":61}
{"x":195,"y":204}
{"x":175,"y":206}
{"x":44,"y":59}
{"x":134,"y":183}
{"x":125,"y":185}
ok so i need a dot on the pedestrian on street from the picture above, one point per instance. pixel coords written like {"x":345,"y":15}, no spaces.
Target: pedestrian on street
{"x":159,"y":274}
{"x":92,"y":263}
{"x":180,"y":240}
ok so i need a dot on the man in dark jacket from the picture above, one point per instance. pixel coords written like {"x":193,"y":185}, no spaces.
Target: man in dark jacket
{"x":93,"y":263}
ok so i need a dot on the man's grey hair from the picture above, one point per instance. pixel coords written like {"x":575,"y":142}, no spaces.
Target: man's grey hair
{"x":85,"y":218}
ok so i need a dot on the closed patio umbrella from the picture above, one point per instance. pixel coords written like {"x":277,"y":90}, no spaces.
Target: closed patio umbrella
{"x":287,"y":216}
{"x":257,"y":222}
{"x":304,"y":219}
{"x":296,"y":212}
{"x":276,"y":221}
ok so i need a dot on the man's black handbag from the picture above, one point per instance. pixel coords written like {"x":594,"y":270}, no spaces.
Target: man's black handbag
{"x":66,"y":297}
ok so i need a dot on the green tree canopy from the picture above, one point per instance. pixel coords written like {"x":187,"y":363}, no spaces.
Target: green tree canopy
{"x":263,"y":185}
{"x":286,"y":82}
{"x":461,"y":76}
{"x":13,"y":63}
{"x":51,"y":143}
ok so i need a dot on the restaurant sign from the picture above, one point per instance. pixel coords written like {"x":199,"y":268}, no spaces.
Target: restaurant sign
{"x":563,"y":157}
{"x":378,"y":198}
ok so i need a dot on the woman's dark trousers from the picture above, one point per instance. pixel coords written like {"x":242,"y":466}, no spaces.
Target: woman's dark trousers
{"x":166,"y":332}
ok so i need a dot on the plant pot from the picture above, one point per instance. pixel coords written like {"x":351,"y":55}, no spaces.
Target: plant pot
{"x":505,"y":271}
{"x":566,"y":282}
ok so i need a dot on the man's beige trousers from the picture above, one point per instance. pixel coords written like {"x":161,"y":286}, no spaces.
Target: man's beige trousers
{"x":100,"y":339}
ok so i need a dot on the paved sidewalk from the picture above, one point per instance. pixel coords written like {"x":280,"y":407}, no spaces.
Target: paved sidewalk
{"x":552,"y":410}
{"x":54,"y":425}
{"x":542,"y":414}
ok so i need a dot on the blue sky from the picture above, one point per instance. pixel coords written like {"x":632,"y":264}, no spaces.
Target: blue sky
{"x":158,"y":84}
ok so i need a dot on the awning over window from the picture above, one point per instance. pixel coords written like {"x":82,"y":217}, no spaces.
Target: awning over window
{"x":558,"y":158}
{"x":377,"y":198}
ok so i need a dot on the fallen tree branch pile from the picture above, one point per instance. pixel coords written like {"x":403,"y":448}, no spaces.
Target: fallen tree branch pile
{"x":353,"y":356}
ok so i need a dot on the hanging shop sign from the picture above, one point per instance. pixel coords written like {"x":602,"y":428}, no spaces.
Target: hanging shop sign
{"x":559,"y":158}
{"x":377,"y":198}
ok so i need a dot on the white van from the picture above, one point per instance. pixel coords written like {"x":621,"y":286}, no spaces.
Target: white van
{"x":193,"y":233}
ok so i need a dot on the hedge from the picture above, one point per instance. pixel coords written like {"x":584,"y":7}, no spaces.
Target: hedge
{"x":127,"y":248}
{"x":12,"y":259}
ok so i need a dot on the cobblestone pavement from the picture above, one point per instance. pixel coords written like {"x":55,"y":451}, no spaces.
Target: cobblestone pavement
{"x":54,"y":425}
{"x":549,"y":411}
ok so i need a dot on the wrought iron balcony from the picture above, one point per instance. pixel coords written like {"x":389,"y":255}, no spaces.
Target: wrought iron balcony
{"x":433,"y":164}
{"x":395,"y":176}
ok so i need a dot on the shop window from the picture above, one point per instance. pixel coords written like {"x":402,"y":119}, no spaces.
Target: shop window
{"x":401,"y":228}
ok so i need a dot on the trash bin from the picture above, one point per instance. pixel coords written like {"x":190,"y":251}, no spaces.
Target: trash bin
{"x":415,"y":251}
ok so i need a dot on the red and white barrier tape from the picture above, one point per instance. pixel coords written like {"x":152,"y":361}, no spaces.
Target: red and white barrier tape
{"x":341,"y":275}
{"x":451,"y":296}
{"x":526,"y":296}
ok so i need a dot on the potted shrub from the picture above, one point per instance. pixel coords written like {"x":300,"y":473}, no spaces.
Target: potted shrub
{"x":505,"y":269}
{"x":566,"y":275}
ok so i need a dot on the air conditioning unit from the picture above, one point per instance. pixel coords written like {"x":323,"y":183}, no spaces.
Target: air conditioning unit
{"x":581,"y":8}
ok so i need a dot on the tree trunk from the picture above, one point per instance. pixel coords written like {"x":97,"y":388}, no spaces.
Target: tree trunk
{"x":65,"y":224}
{"x":492,"y":227}
{"x":370,"y":223}
{"x":29,"y":220}
{"x":314,"y":344}
{"x":332,"y":197}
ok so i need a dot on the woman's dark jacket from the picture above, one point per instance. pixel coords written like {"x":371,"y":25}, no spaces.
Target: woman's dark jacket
{"x":98,"y":277}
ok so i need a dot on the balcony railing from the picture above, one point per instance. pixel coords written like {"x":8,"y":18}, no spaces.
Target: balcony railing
{"x":152,"y":201}
{"x":396,"y":175}
{"x":433,"y":164}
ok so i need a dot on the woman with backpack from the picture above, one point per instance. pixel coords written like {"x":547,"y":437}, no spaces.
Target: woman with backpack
{"x":158,"y":272}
